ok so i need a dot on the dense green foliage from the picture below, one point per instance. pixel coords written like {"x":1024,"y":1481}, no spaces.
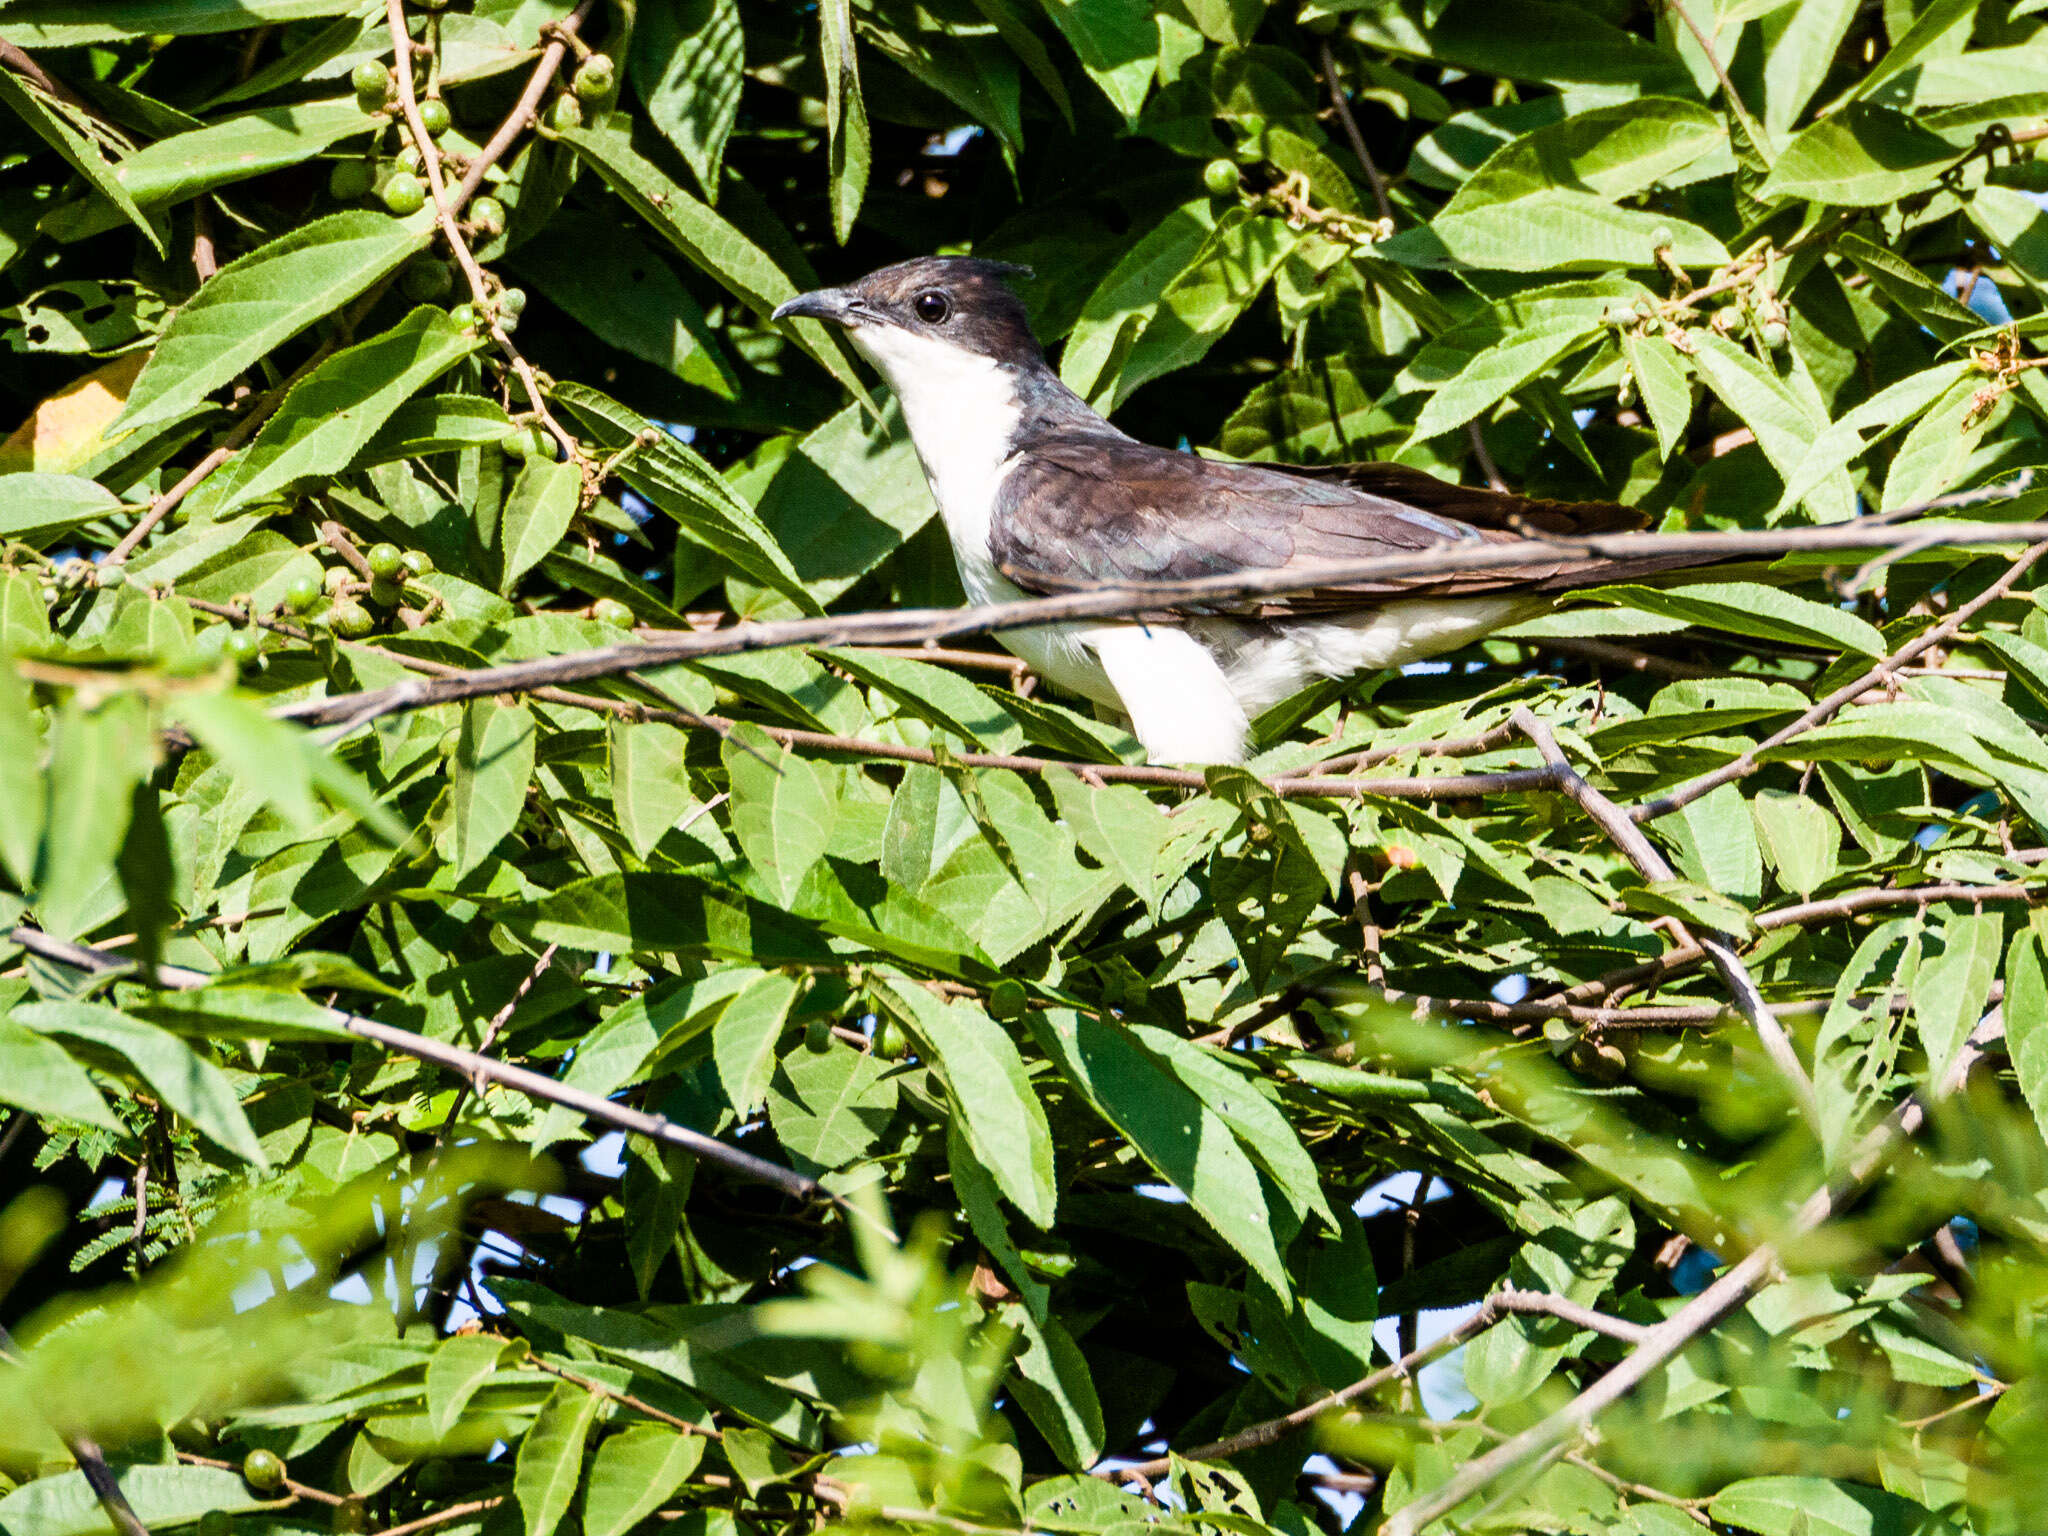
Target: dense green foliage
{"x":1093,"y":1072}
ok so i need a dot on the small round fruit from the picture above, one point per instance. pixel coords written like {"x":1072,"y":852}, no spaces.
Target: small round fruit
{"x":1007,"y":999}
{"x":334,"y":578}
{"x":594,"y":79}
{"x":245,"y":645}
{"x":110,"y":574}
{"x":350,"y":1517}
{"x":350,"y":620}
{"x":1661,"y":236}
{"x":385,"y":592}
{"x":372,"y":82}
{"x":1775,"y":335}
{"x":507,"y":323}
{"x":512,"y":301}
{"x":1220,"y":177}
{"x":434,"y":115}
{"x":417,"y":563}
{"x":351,"y":180}
{"x":302,"y":594}
{"x":427,"y":281}
{"x":609,"y":610}
{"x":263,"y":1471}
{"x":215,"y":1522}
{"x":488,"y":215}
{"x":818,"y":1035}
{"x":385,"y":560}
{"x":410,"y":159}
{"x":566,"y":113}
{"x":464,"y":315}
{"x":890,"y":1041}
{"x":403,"y":194}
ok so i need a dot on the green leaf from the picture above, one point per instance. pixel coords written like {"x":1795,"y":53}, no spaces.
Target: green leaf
{"x":226,"y":1011}
{"x":635,"y":1470}
{"x":1667,"y":392}
{"x":743,"y":1040}
{"x":1556,"y":229}
{"x":1860,"y":157}
{"x":459,"y":1366}
{"x":535,"y":517}
{"x":333,"y":412}
{"x":938,"y":697}
{"x":38,"y":1075}
{"x":710,"y":243}
{"x":1937,"y":451}
{"x":1747,"y":608}
{"x":1612,"y":151}
{"x":1909,"y":288}
{"x":161,"y":1496}
{"x":1952,"y":990}
{"x":1003,"y":1121}
{"x":55,"y":24}
{"x":181,"y":1077}
{"x":1785,"y":418}
{"x":1802,"y":41}
{"x":687,"y":59}
{"x":1802,"y":839}
{"x":37,"y":507}
{"x":704,"y":506}
{"x":1053,"y":1384}
{"x":650,"y":785}
{"x":551,"y":1457}
{"x":2017,"y":227}
{"x":492,"y":766}
{"x":436,"y":424}
{"x":2026,"y":1021}
{"x":633,"y":912}
{"x":80,"y":153}
{"x":1497,"y":371}
{"x":1897,"y":405}
{"x":783,"y":807}
{"x":1778,"y":1506}
{"x":22,"y":788}
{"x":846,"y":116}
{"x":1170,"y":1127}
{"x":1117,"y":42}
{"x":259,"y":301}
{"x":1133,"y":837}
{"x":1117,"y":307}
{"x":97,"y":757}
{"x":829,"y":1108}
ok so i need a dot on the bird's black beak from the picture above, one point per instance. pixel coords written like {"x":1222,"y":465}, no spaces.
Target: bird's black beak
{"x":831,"y":304}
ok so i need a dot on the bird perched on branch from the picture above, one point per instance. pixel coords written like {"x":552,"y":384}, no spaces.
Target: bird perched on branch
{"x":1040,"y":494}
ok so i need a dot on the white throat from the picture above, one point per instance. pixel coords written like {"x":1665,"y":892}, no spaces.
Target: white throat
{"x":962,"y":412}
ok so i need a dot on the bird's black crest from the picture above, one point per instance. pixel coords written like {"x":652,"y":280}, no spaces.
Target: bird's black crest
{"x":981,"y":312}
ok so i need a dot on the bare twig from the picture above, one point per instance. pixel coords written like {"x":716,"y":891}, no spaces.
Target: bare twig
{"x":1718,"y":947}
{"x":1749,"y":124}
{"x":443,"y":1516}
{"x":1843,"y":696}
{"x":523,"y":112}
{"x":467,"y":1063}
{"x":1126,"y":600}
{"x":1342,"y":103}
{"x":498,"y":1021}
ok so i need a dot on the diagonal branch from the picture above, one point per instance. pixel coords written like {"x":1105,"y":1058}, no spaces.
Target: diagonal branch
{"x":1730,"y":1291}
{"x":469,"y":1064}
{"x":1128,"y":600}
{"x":523,"y":113}
{"x":1718,"y":947}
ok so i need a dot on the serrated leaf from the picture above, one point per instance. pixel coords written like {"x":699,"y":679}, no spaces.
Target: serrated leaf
{"x":1952,"y":990}
{"x":846,"y":116}
{"x":650,"y":785}
{"x":37,"y":507}
{"x":783,"y":807}
{"x":687,"y":59}
{"x":551,"y":1457}
{"x":1667,"y":392}
{"x":1117,"y":42}
{"x":743,"y":1040}
{"x":1772,"y":1506}
{"x":536,"y":515}
{"x":97,"y":757}
{"x":634,"y":1471}
{"x":38,"y":1075}
{"x":161,"y":1496}
{"x":492,"y":766}
{"x":1613,"y":151}
{"x":1748,"y":608}
{"x":261,"y":300}
{"x":80,"y":153}
{"x":1860,"y":157}
{"x":1802,"y":839}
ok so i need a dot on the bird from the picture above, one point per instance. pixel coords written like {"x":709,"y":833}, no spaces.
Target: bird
{"x":1039,"y":493}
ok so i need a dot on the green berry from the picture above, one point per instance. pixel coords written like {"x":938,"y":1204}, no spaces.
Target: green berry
{"x":263,"y":1471}
{"x":594,"y":79}
{"x":609,"y":610}
{"x":1661,"y":236}
{"x":487,"y":214}
{"x":386,"y":560}
{"x":334,"y":578}
{"x":1008,"y":1000}
{"x":512,"y":301}
{"x":818,"y":1035}
{"x":351,"y":1516}
{"x":110,"y":574}
{"x":566,"y":113}
{"x":434,"y":114}
{"x":508,"y":323}
{"x":215,"y":1522}
{"x":403,"y":193}
{"x":1252,"y":125}
{"x":385,"y":592}
{"x":350,"y":620}
{"x":464,"y":315}
{"x":519,"y":445}
{"x":417,"y":563}
{"x":1220,"y":177}
{"x":890,"y":1041}
{"x":245,"y":645}
{"x":302,"y":594}
{"x":1775,"y":336}
{"x":351,"y":180}
{"x":428,"y":280}
{"x":372,"y":82}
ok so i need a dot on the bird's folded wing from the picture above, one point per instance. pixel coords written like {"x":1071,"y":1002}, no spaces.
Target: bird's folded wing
{"x":1086,"y":510}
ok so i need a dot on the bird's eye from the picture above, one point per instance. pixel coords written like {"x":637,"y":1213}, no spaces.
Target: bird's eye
{"x":931,"y":307}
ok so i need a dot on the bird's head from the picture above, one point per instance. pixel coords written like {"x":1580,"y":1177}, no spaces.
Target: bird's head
{"x":933,"y":314}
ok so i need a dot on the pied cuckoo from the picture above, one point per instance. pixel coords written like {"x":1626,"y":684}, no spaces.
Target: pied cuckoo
{"x":1039,"y":493}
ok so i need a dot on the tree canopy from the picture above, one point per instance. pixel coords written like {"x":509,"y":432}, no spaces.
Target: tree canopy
{"x":522,"y":1013}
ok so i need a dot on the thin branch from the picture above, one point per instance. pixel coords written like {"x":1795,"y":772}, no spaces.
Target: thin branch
{"x":1749,"y":124}
{"x":498,"y":1021}
{"x":1373,"y":178}
{"x":525,"y":110}
{"x":1497,"y":1306}
{"x":1666,"y":1339}
{"x":627,"y":1399}
{"x":467,"y":1063}
{"x":1843,"y":696}
{"x":1718,"y":947}
{"x":1124,"y":600}
{"x":443,"y":1516}
{"x":293,"y":1486}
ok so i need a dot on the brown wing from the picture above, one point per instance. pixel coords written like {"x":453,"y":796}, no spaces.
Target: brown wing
{"x":1086,"y":509}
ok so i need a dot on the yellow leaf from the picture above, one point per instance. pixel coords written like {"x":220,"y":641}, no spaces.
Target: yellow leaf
{"x":63,"y":431}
